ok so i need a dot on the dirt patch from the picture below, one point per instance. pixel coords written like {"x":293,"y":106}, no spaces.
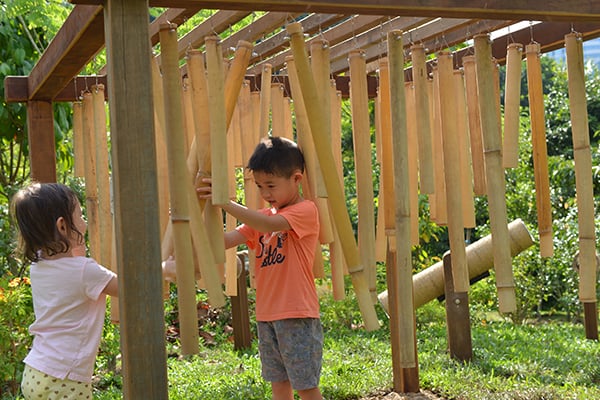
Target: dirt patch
{"x":422,"y":395}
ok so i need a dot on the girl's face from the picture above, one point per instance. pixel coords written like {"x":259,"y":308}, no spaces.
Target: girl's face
{"x":278,"y":191}
{"x":79,"y":221}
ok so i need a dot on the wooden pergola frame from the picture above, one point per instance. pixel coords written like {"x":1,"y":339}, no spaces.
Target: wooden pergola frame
{"x":122,"y":26}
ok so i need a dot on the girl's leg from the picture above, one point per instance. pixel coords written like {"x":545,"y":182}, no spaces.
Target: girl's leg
{"x":282,"y":390}
{"x":310,"y":394}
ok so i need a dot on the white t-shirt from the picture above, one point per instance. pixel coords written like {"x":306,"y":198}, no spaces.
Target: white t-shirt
{"x":69,"y":311}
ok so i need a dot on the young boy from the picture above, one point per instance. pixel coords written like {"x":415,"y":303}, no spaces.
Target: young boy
{"x":284,"y":237}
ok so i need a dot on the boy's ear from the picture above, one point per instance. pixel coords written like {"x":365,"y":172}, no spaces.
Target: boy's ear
{"x":297,"y":176}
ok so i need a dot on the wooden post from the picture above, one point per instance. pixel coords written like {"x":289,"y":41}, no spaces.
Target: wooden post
{"x":457,"y":316}
{"x":180,"y":217}
{"x":512,"y":105}
{"x":242,"y":336}
{"x":40,"y":131}
{"x":583,"y":180}
{"x":136,"y":200}
{"x":323,"y":148}
{"x":407,"y":331}
{"x":540,"y":152}
{"x":494,"y":172}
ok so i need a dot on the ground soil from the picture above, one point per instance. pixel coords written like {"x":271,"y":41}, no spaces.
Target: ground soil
{"x":422,"y":395}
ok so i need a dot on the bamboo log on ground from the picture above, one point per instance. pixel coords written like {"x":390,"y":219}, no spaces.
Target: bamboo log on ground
{"x":91,"y":182}
{"x":186,"y":290}
{"x":475,"y":133}
{"x":494,"y":175}
{"x":452,"y":175}
{"x":466,"y":172}
{"x":540,"y":151}
{"x":78,"y":151}
{"x":317,"y":121}
{"x":583,"y":168}
{"x":512,"y":108}
{"x":105,"y":219}
{"x":429,"y":283}
{"x":420,"y":77}
{"x":413,"y":163}
{"x":361,"y":136}
{"x":406,"y":329}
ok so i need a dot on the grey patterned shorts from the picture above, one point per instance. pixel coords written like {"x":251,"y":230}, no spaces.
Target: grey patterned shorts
{"x":291,"y":349}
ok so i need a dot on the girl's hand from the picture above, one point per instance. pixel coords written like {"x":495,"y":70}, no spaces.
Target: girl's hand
{"x":204,"y":189}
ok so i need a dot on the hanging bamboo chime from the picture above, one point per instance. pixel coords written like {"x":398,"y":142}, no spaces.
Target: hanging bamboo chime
{"x":413,"y":163}
{"x":78,"y":150}
{"x":438,"y":198}
{"x":512,"y":105}
{"x":91,"y":181}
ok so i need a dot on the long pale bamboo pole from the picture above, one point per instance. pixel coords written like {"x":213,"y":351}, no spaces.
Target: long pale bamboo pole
{"x":340,"y":215}
{"x":188,"y":114}
{"x":406,"y":329}
{"x":452,"y":176}
{"x":466,"y":172}
{"x":235,"y":77}
{"x":380,"y":237}
{"x":265,"y":99}
{"x":475,"y":133}
{"x":512,"y":109}
{"x":583,"y":168}
{"x":78,"y":151}
{"x":494,"y":175}
{"x":387,"y":160}
{"x":361,"y":136}
{"x":186,"y":290}
{"x":91,"y":182}
{"x":105,"y":228}
{"x":413,"y":163}
{"x":277,"y":117}
{"x":288,"y":120}
{"x":421,"y":94}
{"x":540,"y":151}
{"x":440,"y":216}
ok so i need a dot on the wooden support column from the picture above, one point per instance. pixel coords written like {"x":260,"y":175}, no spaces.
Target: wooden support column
{"x":457,"y":316}
{"x":40,"y":127}
{"x":136,"y":200}
{"x":242,"y":336}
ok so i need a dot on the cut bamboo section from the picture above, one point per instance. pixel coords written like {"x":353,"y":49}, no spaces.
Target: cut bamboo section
{"x":235,"y":77}
{"x":413,"y":163}
{"x":404,"y":308}
{"x":494,"y":176}
{"x":438,"y":201}
{"x":231,"y":263}
{"x":540,"y":152}
{"x":387,"y":161}
{"x":452,"y":175}
{"x":186,"y":290}
{"x":91,"y":182}
{"x":277,"y":116}
{"x":475,"y":133}
{"x":583,"y":168}
{"x":288,"y":120}
{"x":105,"y":228}
{"x":218,"y":121}
{"x":512,"y":105}
{"x":421,"y":95}
{"x":78,"y":150}
{"x":265,"y":99}
{"x":361,"y":136}
{"x":317,"y":121}
{"x":466,"y":172}
{"x":188,"y":114}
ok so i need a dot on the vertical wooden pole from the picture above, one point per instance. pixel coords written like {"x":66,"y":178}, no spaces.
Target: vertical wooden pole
{"x":323,"y":148}
{"x":135,"y":183}
{"x":512,"y":105}
{"x":457,"y":316}
{"x":494,"y":175}
{"x":583,"y":179}
{"x":540,"y":152}
{"x":40,"y":131}
{"x":180,"y":217}
{"x":407,"y":330}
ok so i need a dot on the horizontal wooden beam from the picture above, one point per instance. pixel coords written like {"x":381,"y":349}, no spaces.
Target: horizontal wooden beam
{"x":547,"y":10}
{"x":16,"y":88}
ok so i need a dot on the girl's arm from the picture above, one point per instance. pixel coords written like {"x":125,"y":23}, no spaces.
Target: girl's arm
{"x":112,"y":287}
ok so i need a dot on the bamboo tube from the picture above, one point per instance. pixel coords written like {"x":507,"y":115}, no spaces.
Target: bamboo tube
{"x":249,"y":139}
{"x":361,"y":136}
{"x":475,"y":133}
{"x":105,"y":219}
{"x":231,"y":267}
{"x":218,"y":121}
{"x":496,"y":75}
{"x":336,"y":256}
{"x":277,"y":117}
{"x":387,"y":162}
{"x":429,"y":283}
{"x":404,"y":289}
{"x":494,"y":176}
{"x":540,"y":153}
{"x":452,"y":176}
{"x":440,"y":216}
{"x":78,"y":151}
{"x":91,"y":182}
{"x":583,"y":168}
{"x":380,"y":237}
{"x":186,"y":290}
{"x":413,"y":163}
{"x":512,"y":109}
{"x":235,"y":77}
{"x":419,"y":68}
{"x":188,"y":115}
{"x":430,"y":90}
{"x":235,"y":128}
{"x":466,"y":173}
{"x":265,"y":99}
{"x":340,"y":216}
{"x":288,"y":120}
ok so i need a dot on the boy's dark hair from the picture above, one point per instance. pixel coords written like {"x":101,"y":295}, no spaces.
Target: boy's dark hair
{"x":36,"y":208}
{"x":278,"y":156}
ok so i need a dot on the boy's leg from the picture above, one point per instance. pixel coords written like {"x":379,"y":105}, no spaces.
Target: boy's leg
{"x":310,"y":394}
{"x":282,"y":390}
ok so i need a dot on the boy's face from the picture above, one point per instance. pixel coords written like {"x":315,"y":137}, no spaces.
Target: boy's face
{"x":277,"y":190}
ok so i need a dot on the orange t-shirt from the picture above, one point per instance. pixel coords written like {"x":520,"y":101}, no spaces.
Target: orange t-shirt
{"x":285,"y":286}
